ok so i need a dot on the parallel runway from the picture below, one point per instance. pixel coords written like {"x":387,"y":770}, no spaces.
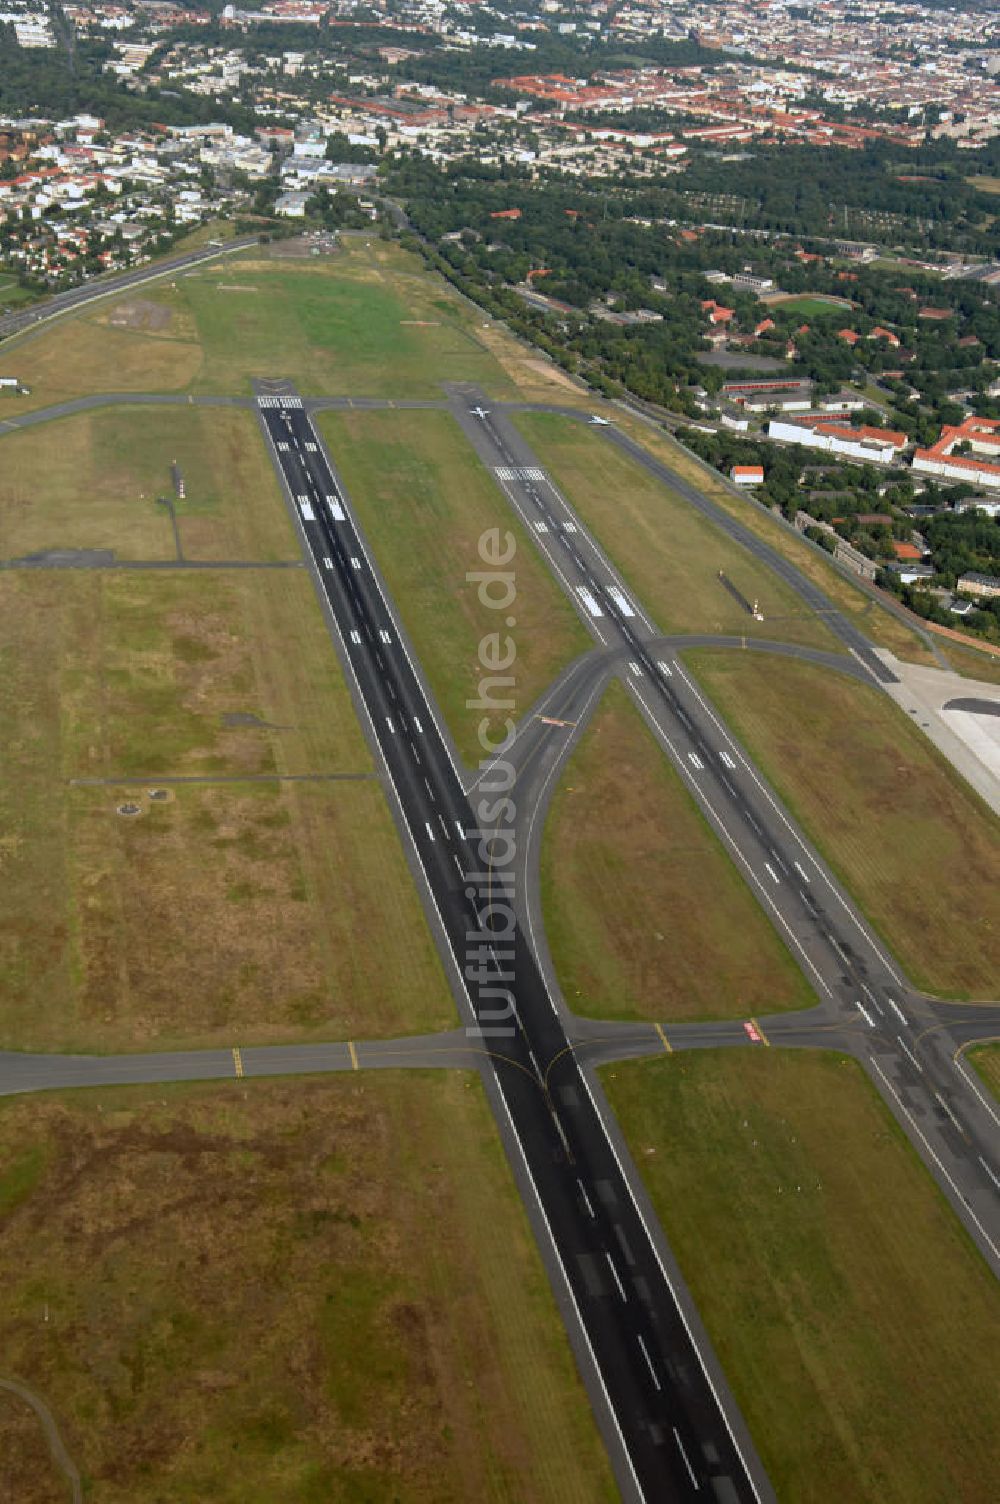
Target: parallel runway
{"x":867,"y":1004}
{"x":671,"y":1426}
{"x":671,"y":1433}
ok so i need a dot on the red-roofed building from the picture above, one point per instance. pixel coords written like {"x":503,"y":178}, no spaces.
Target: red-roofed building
{"x":506,"y":214}
{"x":848,"y":336}
{"x":716,"y":313}
{"x":747,"y":475}
{"x":886,"y":334}
{"x":877,"y":446}
{"x":977,"y":465}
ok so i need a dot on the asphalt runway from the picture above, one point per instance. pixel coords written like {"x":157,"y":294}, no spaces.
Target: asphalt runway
{"x":672,"y":1428}
{"x":672,"y":1431}
{"x":868,"y":1007}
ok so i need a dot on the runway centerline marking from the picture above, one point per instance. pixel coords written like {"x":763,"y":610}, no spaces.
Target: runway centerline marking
{"x":663,"y":1039}
{"x":353,"y":1054}
{"x":237,"y":1062}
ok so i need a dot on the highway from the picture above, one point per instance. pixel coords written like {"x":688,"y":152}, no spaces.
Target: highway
{"x":672,"y":1431}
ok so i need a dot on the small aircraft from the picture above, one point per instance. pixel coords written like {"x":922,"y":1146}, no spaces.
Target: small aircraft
{"x":602,"y":422}
{"x":480,"y":412}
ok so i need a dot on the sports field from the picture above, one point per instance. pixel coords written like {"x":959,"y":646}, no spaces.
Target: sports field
{"x":645,"y":914}
{"x":425,"y":501}
{"x":242,"y":1293}
{"x":668,"y":554}
{"x":910,"y":840}
{"x":813,"y":308}
{"x":856,"y":1323}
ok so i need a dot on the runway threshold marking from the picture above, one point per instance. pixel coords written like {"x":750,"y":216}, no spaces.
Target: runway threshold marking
{"x":663,"y":1039}
{"x":237,"y":1063}
{"x":353,"y":1054}
{"x":763,"y":1037}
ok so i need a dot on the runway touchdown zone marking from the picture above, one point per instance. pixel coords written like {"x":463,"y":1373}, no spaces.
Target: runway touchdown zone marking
{"x":237,"y":1063}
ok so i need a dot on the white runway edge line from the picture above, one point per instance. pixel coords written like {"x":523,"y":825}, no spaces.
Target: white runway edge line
{"x":569,"y":1288}
{"x":451,"y":960}
{"x":557,"y":764}
{"x":670,"y":1286}
{"x":721,"y":727}
{"x":918,"y":1131}
{"x":966,"y":1076}
{"x":752,"y":877}
{"x":463,"y":990}
{"x":389,"y":613}
{"x":989,"y":1172}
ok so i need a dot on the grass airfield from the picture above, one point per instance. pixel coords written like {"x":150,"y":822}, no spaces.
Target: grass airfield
{"x":366,"y":320}
{"x":860,"y":1342}
{"x":242,"y":1292}
{"x":903,"y":831}
{"x":645,"y":913}
{"x":338,"y":1269}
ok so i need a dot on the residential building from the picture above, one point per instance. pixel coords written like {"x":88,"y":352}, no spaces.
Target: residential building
{"x":747,"y":475}
{"x":986,"y":586}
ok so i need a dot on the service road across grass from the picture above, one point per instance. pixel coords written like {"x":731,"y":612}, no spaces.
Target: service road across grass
{"x":222,"y":911}
{"x":425,"y":501}
{"x":302,"y":1291}
{"x":667,"y":553}
{"x":913,"y":844}
{"x":857,"y":1324}
{"x":645,"y":914}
